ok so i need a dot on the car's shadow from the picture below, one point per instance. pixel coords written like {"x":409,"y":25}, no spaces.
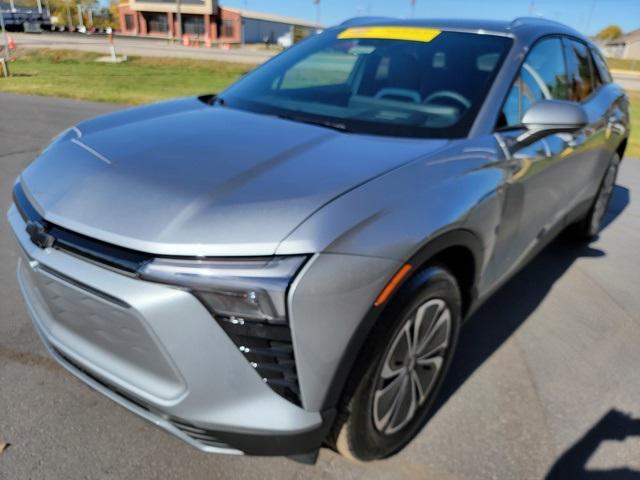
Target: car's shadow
{"x":572,"y":464}
{"x":509,"y":308}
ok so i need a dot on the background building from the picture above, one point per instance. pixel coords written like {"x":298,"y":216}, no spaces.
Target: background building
{"x":625,"y":46}
{"x":205,"y":18}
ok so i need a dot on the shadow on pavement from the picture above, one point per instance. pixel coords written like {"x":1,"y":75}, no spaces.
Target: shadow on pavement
{"x":615,"y":425}
{"x":619,"y":200}
{"x":509,"y":308}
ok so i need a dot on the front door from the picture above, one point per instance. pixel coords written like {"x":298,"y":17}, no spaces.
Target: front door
{"x":538,"y":190}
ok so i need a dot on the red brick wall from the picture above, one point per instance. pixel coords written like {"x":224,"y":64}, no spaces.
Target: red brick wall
{"x":123,"y":9}
{"x":237,"y":26}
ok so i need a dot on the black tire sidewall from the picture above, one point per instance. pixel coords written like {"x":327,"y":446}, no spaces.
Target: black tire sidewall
{"x":365,"y":441}
{"x":615,"y":162}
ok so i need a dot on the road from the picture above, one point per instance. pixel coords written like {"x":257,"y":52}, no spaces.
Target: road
{"x":540,"y":376}
{"x":146,"y":47}
{"x":628,"y":81}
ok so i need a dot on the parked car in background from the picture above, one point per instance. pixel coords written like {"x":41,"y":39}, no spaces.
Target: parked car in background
{"x":286,"y":265}
{"x":286,"y":40}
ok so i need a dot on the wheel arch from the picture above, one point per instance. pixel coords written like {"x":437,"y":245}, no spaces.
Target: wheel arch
{"x":459,"y":251}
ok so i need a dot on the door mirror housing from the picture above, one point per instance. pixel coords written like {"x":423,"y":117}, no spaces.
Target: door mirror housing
{"x":551,"y":116}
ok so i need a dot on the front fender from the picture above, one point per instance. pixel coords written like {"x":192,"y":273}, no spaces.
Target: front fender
{"x":396,"y":214}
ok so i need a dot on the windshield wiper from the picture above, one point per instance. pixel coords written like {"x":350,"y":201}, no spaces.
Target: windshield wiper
{"x":341,"y":127}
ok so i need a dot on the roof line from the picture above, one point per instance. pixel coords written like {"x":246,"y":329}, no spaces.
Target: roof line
{"x":271,"y":17}
{"x":533,"y":20}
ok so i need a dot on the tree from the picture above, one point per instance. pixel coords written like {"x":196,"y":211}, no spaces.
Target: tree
{"x":609,"y":33}
{"x":103,"y":16}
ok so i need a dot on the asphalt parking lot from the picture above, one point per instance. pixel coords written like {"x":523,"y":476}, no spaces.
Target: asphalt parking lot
{"x":546,"y":378}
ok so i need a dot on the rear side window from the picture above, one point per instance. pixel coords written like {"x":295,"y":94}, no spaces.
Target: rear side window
{"x":601,"y":66}
{"x":543,"y":76}
{"x":580,"y":70}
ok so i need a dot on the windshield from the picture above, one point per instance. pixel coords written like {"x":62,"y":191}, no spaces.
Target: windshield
{"x":398,"y":81}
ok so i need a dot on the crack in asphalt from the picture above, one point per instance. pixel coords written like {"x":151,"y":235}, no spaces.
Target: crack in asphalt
{"x":594,"y":281}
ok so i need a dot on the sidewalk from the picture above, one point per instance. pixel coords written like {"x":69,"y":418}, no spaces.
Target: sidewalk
{"x":625,"y":73}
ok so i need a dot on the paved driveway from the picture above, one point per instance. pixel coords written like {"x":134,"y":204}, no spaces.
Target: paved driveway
{"x":548,"y":372}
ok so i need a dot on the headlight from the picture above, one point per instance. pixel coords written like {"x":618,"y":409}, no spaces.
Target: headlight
{"x":247,"y":289}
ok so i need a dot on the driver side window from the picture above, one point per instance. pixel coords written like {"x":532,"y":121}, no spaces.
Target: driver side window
{"x":543,"y":76}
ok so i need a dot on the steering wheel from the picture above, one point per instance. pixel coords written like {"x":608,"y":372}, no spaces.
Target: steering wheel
{"x":461,"y":99}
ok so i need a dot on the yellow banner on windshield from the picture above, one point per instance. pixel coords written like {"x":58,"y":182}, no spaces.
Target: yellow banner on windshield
{"x":412,"y":34}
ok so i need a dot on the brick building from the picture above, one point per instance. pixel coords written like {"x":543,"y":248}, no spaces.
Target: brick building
{"x":205,"y":18}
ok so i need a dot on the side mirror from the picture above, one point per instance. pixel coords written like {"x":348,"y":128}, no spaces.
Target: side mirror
{"x":551,"y":116}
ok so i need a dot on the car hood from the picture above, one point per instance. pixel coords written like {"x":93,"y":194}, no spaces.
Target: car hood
{"x":185,"y":178}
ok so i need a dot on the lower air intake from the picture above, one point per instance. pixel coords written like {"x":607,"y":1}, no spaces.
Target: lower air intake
{"x":269,"y":350}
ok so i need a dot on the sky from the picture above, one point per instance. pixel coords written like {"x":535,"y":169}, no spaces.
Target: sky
{"x":587,"y":16}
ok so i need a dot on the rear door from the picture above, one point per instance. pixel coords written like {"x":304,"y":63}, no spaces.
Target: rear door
{"x":588,"y":153}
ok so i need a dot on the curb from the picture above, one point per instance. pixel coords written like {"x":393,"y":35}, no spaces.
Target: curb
{"x":631,"y":73}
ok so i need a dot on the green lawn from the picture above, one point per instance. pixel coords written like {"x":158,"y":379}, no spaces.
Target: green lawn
{"x":623,"y":64}
{"x":70,"y":74}
{"x":66,"y":73}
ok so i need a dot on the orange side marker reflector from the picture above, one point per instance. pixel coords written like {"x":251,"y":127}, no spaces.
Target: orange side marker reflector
{"x":391,"y":286}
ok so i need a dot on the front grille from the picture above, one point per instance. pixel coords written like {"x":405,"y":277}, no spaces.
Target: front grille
{"x":87,"y":373}
{"x":198,"y":434}
{"x":269,"y":349}
{"x":122,"y":259}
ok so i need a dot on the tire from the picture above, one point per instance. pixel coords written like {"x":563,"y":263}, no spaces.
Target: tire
{"x":589,"y":227}
{"x":367,"y":427}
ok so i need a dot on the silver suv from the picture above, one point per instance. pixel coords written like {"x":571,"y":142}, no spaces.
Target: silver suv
{"x":287,"y":264}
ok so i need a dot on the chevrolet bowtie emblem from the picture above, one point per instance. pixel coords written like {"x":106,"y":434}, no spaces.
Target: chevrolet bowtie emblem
{"x":39,"y":235}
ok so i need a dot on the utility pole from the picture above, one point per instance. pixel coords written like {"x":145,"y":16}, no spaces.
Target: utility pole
{"x":69,"y":21}
{"x":90,"y":12}
{"x":80,"y":20}
{"x":588,"y":26}
{"x":317,"y":2}
{"x":39,"y":6}
{"x":413,"y":8}
{"x":5,"y":60}
{"x":179,"y":19}
{"x":12,"y":5}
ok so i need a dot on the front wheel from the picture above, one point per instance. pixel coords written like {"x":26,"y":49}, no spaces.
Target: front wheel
{"x":401,"y":369}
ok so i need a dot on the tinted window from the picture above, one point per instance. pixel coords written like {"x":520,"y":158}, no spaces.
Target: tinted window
{"x":543,"y":76}
{"x":579,"y":69}
{"x":601,"y":67}
{"x":128,"y":21}
{"x":384,"y":86}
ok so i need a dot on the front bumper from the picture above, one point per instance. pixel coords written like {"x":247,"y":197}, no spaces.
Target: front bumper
{"x":157,"y":351}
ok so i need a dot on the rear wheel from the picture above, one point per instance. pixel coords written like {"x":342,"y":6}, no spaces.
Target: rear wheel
{"x":401,"y":369}
{"x":591,"y":224}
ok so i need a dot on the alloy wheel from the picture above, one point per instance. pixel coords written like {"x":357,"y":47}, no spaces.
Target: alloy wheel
{"x":412,"y":366}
